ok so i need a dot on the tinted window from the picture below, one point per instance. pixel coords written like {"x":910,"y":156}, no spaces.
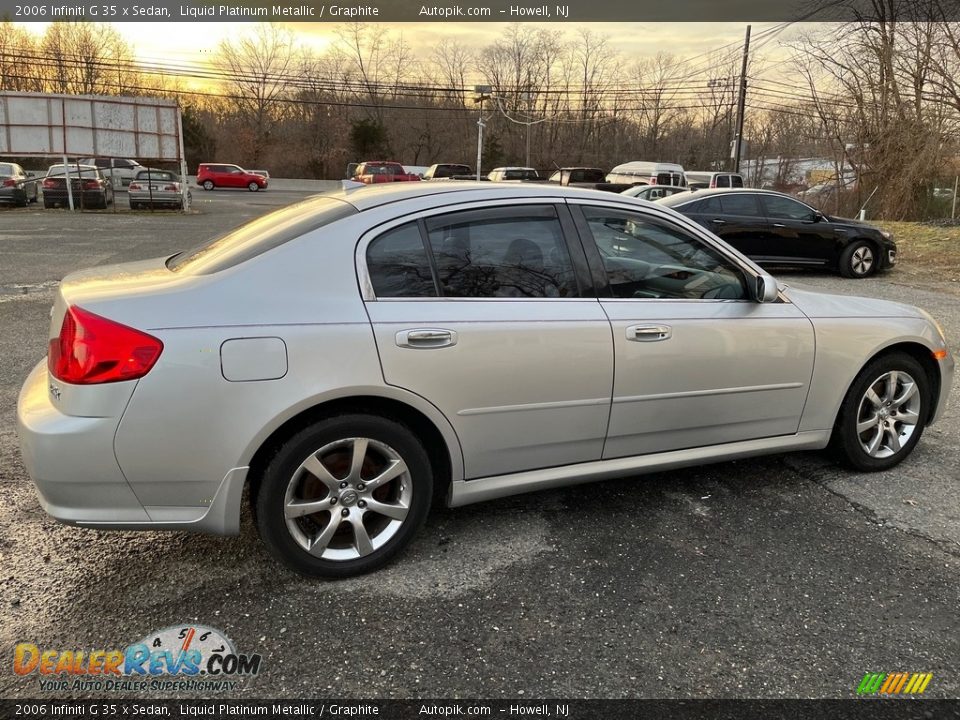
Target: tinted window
{"x":398,"y":264}
{"x":644,"y":258}
{"x":512,"y":252}
{"x":740,"y":204}
{"x":707,"y":206}
{"x":736,"y":181}
{"x":723,"y":181}
{"x":781,"y":207}
{"x":258,"y":236}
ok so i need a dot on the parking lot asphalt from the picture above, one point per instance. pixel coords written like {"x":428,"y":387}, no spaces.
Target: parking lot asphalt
{"x":775,"y":577}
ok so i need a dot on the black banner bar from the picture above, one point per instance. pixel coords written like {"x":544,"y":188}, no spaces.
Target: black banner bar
{"x":120,"y":709}
{"x":393,"y":11}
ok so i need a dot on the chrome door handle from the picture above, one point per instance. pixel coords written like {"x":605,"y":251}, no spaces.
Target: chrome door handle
{"x":779,"y":225}
{"x":718,"y":221}
{"x":424,"y":338}
{"x":649,"y":333}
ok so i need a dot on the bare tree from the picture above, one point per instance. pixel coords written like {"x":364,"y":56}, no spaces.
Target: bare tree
{"x":258,"y":68}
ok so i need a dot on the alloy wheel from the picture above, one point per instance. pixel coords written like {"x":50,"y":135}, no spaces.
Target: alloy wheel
{"x":348,"y":499}
{"x":862,"y":260}
{"x":889,"y":414}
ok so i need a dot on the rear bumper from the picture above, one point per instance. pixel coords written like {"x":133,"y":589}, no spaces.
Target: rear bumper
{"x":78,"y":481}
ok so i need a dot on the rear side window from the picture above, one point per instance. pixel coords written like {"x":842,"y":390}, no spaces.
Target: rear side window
{"x":740,"y":204}
{"x":736,"y":181}
{"x":507,"y":252}
{"x":398,"y":265}
{"x":723,"y":181}
{"x":259,"y":235}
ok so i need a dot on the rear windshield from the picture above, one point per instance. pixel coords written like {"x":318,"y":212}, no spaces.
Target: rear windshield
{"x":520,"y":175}
{"x":450,"y":170}
{"x":156,"y":175}
{"x":259,"y":235}
{"x":83,"y":171}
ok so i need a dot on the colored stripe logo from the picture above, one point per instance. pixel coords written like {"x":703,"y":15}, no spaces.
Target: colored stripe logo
{"x":898,"y":683}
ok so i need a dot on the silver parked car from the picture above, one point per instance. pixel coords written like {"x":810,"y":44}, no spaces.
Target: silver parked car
{"x":354,"y":356}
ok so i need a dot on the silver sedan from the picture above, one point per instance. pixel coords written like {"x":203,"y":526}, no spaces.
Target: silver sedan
{"x":351,"y":358}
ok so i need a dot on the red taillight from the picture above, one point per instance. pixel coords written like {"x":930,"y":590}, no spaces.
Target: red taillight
{"x":48,"y":183}
{"x":92,"y":349}
{"x":91,"y":184}
{"x":653,"y":181}
{"x":713,"y":183}
{"x":134,"y":186}
{"x":9,"y":182}
{"x":171,"y":188}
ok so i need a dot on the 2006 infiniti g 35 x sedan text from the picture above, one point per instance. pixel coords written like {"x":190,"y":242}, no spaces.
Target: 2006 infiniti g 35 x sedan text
{"x":356,"y":355}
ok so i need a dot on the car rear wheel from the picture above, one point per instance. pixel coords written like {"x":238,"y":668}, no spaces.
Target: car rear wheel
{"x":208,"y":184}
{"x":884,"y":413}
{"x":859,"y":260}
{"x":344,"y":496}
{"x":253,"y":186}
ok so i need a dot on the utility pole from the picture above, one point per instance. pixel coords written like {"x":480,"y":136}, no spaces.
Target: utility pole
{"x":481,"y":92}
{"x":741,"y":103}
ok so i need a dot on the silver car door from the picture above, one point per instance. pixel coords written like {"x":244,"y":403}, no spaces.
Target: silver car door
{"x":492,"y":328}
{"x":698,"y":362}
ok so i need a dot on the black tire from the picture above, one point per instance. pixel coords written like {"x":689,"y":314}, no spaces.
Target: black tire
{"x":337,"y":435}
{"x":208,"y":185}
{"x":859,"y":259}
{"x":847,"y":444}
{"x":253,"y":186}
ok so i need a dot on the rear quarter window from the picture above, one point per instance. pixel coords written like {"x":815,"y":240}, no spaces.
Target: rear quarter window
{"x":260,"y":235}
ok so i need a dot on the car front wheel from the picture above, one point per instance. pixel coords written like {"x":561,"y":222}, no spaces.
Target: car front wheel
{"x":253,"y":186}
{"x":344,"y":496}
{"x":859,"y":260}
{"x":208,"y":184}
{"x":883,"y":416}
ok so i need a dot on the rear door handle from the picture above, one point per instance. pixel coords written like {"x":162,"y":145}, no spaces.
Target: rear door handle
{"x":426,"y":338}
{"x":649,"y":333}
{"x":718,"y":221}
{"x":778,"y":225}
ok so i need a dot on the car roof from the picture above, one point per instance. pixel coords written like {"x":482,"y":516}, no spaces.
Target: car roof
{"x":367,"y":197}
{"x":512,"y":167}
{"x":680,"y":198}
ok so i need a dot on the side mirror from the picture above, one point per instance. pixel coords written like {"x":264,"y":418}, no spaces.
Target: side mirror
{"x":816,"y":217}
{"x":30,"y":174}
{"x":766,"y":290}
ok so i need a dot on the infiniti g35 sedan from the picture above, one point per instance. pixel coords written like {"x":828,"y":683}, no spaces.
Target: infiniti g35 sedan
{"x":351,"y":358}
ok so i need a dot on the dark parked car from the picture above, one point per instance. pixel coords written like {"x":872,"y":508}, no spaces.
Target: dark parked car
{"x":16,"y":187}
{"x":775,"y":229}
{"x":89,"y":187}
{"x":443,"y":171}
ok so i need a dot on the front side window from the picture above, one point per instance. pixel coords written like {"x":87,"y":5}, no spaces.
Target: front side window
{"x":506,"y":252}
{"x":398,"y":265}
{"x":647,"y":258}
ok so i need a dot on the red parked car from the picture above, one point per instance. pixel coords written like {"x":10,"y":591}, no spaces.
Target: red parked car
{"x":211,"y":175}
{"x":378,"y":171}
